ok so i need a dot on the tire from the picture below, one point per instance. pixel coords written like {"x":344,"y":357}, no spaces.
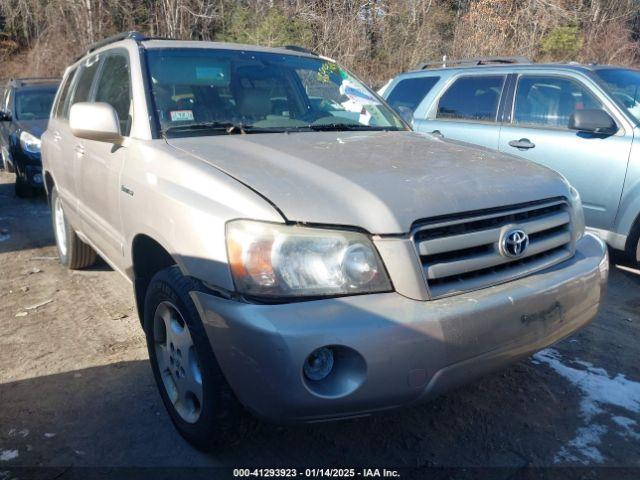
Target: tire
{"x":72,"y":252}
{"x":633,"y":246}
{"x":206,"y":413}
{"x":22,"y":189}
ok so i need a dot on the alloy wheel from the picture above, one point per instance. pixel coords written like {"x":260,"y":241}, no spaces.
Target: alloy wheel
{"x":177,"y":361}
{"x":60,"y":225}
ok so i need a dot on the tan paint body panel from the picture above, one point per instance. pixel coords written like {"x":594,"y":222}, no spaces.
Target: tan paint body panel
{"x":181,"y":193}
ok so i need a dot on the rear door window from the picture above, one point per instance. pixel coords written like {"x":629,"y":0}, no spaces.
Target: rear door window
{"x":63,"y":98}
{"x":85,"y":81}
{"x":472,"y":98}
{"x":410,"y":92}
{"x":550,"y":101}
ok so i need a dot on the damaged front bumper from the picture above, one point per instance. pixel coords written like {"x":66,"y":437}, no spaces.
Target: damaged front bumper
{"x":390,"y":350}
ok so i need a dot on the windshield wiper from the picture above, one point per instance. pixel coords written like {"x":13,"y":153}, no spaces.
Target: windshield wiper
{"x":228,"y":128}
{"x":337,"y":127}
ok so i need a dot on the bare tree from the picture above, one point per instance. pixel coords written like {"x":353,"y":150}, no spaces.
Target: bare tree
{"x":375,"y":38}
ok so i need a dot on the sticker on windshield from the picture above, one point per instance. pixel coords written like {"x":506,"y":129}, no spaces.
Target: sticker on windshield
{"x":181,"y":115}
{"x":357,"y":95}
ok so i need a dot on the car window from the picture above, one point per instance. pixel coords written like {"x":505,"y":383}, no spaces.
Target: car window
{"x":34,"y":104}
{"x":63,"y":98}
{"x":408,"y":93}
{"x":260,"y":91}
{"x":550,"y":101}
{"x":624,"y":87}
{"x":472,"y":98}
{"x":114,"y":88}
{"x":85,"y":80}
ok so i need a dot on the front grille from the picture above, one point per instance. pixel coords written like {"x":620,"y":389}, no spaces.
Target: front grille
{"x":462,"y":253}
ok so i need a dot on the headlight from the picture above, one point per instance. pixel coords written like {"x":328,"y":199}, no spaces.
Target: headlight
{"x":291,"y":261}
{"x":29,"y":143}
{"x":577,"y":213}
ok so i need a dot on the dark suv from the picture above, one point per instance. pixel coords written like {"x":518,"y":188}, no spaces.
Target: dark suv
{"x":24,"y":113}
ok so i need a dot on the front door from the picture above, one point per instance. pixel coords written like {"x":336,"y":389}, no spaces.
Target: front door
{"x":102,"y":162}
{"x":594,"y":164}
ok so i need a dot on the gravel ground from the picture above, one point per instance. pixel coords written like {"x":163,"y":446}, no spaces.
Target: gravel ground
{"x":76,"y":388}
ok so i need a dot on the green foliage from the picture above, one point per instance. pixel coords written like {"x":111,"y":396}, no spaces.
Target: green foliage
{"x":562,"y":42}
{"x":244,"y":26}
{"x":324,"y":74}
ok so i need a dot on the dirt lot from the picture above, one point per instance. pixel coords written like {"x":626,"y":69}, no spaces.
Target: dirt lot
{"x":76,"y":388}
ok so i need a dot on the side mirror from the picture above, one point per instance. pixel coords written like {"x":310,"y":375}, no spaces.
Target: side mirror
{"x":593,"y":121}
{"x":95,"y":121}
{"x":5,"y":117}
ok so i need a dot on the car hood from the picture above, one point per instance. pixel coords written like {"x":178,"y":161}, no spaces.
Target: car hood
{"x":379,"y":181}
{"x":34,"y":127}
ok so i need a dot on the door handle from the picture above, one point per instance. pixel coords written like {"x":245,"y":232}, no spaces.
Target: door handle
{"x":437,"y":133}
{"x":522,"y":144}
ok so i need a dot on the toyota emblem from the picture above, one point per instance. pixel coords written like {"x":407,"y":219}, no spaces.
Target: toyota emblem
{"x":514,"y":243}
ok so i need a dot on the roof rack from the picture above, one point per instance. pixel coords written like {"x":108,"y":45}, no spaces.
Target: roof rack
{"x":133,"y":35}
{"x":296,"y":48}
{"x":139,"y":37}
{"x":470,"y":62}
{"x":20,"y":82}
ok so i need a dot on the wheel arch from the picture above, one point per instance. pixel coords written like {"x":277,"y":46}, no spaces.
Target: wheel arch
{"x":49,"y":183}
{"x":627,"y":221}
{"x":632,"y":245}
{"x":148,"y":257}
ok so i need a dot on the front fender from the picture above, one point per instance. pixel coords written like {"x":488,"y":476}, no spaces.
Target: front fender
{"x":184,"y":205}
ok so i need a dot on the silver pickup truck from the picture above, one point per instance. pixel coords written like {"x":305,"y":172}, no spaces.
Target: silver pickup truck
{"x":295,"y":250}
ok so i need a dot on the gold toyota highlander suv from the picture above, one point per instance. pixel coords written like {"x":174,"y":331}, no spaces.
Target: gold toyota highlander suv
{"x":295,"y":249}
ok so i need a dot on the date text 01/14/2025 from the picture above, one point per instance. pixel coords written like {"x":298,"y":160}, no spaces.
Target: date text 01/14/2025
{"x":316,"y":473}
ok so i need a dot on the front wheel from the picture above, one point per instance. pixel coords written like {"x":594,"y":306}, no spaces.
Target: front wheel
{"x":632,"y":251}
{"x":72,"y":252}
{"x":194,"y":391}
{"x":635,"y":253}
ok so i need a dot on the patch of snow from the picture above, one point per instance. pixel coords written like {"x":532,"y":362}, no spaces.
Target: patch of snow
{"x":627,"y":424}
{"x":49,"y":435}
{"x":584,"y":444}
{"x":599,"y":390}
{"x":596,"y":385}
{"x":6,"y":455}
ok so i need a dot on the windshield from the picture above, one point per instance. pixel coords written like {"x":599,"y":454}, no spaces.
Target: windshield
{"x":624,"y":87}
{"x":201,"y":91}
{"x":34,"y":104}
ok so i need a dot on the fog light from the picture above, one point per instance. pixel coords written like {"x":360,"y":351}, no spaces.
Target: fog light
{"x":319,"y":364}
{"x":37,"y":178}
